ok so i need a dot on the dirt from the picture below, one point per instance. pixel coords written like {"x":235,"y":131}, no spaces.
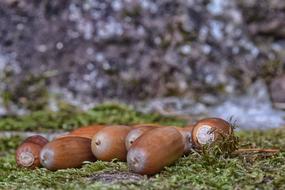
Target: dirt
{"x":116,"y":177}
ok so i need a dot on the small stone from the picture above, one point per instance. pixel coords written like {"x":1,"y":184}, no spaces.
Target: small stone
{"x":116,"y":177}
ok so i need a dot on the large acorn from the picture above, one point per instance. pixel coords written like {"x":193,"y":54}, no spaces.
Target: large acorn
{"x":154,"y":150}
{"x":66,"y":152}
{"x":109,"y":143}
{"x":207,"y":131}
{"x":87,"y":131}
{"x":137,"y":132}
{"x":28,"y":153}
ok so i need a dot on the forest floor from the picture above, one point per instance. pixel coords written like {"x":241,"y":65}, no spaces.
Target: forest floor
{"x":195,"y":171}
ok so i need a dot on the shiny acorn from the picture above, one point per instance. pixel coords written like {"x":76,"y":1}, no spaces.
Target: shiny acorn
{"x":87,"y":131}
{"x":109,"y":143}
{"x":208,"y":130}
{"x":36,"y":139}
{"x":66,"y":152}
{"x":136,"y":133}
{"x":154,"y":150}
{"x":28,"y":153}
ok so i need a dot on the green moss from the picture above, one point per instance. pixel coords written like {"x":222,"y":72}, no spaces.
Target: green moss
{"x":68,"y":119}
{"x":190,"y":172}
{"x":9,"y":144}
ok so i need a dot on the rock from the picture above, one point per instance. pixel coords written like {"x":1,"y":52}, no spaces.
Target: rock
{"x":252,"y":110}
{"x":97,"y":50}
{"x":116,"y":177}
{"x":277,"y":90}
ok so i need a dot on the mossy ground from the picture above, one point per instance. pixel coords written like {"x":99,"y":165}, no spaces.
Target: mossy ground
{"x":190,"y":172}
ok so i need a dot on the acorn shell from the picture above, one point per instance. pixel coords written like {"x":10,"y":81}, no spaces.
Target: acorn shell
{"x":109,"y":143}
{"x":87,"y":131}
{"x":154,"y":150}
{"x":28,"y":155}
{"x":66,"y":152}
{"x":208,"y":130}
{"x":136,"y":133}
{"x":36,"y":139}
{"x":186,"y":132}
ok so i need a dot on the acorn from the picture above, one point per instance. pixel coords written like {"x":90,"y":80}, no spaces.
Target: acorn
{"x":28,"y":153}
{"x":186,"y":132}
{"x":154,"y":150}
{"x":66,"y":152}
{"x":136,"y":133}
{"x":207,"y":131}
{"x":109,"y":143}
{"x":36,"y":139}
{"x":87,"y":131}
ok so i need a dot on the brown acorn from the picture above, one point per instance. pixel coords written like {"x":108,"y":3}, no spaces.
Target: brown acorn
{"x":109,"y":143}
{"x":66,"y":152}
{"x":136,"y":133}
{"x":28,"y":155}
{"x":154,"y":150}
{"x":36,"y":139}
{"x":186,"y":132}
{"x":208,"y":130}
{"x":87,"y":131}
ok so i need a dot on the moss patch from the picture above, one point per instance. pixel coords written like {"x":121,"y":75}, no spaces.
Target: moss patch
{"x":193,"y":171}
{"x":71,"y":118}
{"x":190,"y":172}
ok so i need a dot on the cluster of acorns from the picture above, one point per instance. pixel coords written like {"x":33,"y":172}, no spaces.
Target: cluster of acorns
{"x":147,"y":148}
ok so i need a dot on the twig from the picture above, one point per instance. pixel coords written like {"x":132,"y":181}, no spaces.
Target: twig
{"x":256,"y":150}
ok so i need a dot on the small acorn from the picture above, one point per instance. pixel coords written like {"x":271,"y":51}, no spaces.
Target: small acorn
{"x":66,"y":152}
{"x":154,"y":150}
{"x":109,"y":143}
{"x":28,"y":153}
{"x":208,"y":130}
{"x":186,"y":132}
{"x":136,"y":133}
{"x":36,"y":139}
{"x":87,"y":131}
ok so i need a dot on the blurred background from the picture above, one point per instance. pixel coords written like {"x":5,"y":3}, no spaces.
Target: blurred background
{"x":185,"y":57}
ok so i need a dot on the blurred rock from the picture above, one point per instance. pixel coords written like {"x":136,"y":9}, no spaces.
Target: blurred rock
{"x":134,"y":50}
{"x":277,"y":89}
{"x":252,"y":110}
